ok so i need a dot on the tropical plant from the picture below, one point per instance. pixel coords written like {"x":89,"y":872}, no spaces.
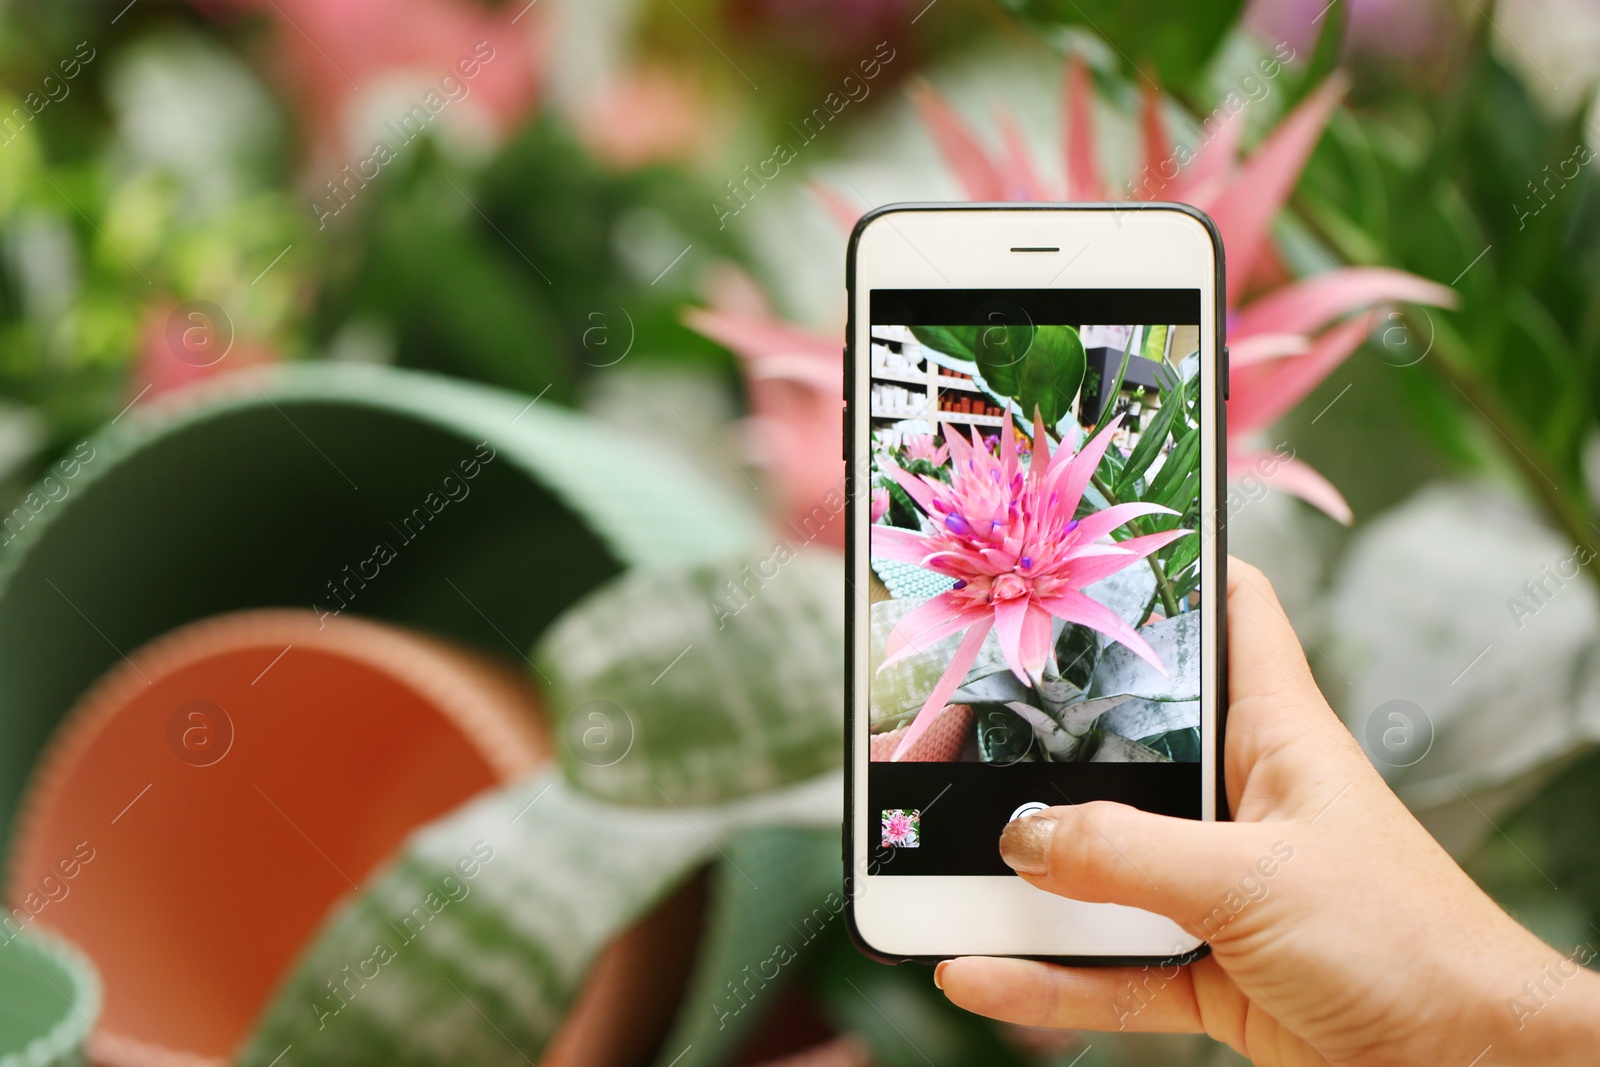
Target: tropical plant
{"x":1021,"y":545}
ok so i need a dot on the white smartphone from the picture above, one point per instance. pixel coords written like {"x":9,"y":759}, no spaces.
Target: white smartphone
{"x":1035,"y":562}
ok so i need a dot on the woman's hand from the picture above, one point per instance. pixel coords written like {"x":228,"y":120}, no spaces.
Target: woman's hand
{"x":1340,"y":931}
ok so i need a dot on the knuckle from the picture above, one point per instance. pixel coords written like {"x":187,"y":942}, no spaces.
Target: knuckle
{"x":1240,"y":571}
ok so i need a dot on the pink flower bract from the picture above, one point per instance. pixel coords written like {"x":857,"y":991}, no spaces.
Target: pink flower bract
{"x":1284,"y":337}
{"x":920,"y":446}
{"x":880,"y":503}
{"x":1009,"y":537}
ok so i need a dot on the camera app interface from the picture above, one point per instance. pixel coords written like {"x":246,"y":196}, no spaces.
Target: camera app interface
{"x":1035,"y":563}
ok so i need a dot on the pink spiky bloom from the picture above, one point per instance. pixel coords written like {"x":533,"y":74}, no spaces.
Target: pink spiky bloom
{"x":920,"y":446}
{"x":1284,"y":337}
{"x":1009,"y":537}
{"x":897,"y":828}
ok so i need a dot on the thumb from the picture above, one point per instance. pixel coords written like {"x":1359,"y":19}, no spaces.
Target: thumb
{"x":1185,"y":869}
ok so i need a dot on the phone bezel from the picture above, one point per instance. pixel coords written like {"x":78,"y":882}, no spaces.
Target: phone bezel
{"x":1214,"y":556}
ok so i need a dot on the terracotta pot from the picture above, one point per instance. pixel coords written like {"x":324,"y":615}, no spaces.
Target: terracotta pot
{"x":224,"y":786}
{"x":49,"y":999}
{"x":634,"y":989}
{"x":475,"y":514}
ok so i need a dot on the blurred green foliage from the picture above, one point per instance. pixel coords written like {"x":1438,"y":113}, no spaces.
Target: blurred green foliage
{"x":530,"y":273}
{"x":1172,"y":42}
{"x":1482,"y":189}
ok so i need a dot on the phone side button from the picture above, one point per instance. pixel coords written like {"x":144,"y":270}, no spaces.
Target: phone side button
{"x":844,"y":440}
{"x":1225,"y":372}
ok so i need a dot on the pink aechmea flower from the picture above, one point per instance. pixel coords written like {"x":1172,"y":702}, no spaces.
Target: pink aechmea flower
{"x":920,"y":446}
{"x":1282,"y":336}
{"x":880,"y":503}
{"x":897,"y":827}
{"x":1009,"y":536}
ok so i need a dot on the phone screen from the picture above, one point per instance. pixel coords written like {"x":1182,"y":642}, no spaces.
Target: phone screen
{"x":1035,"y":632}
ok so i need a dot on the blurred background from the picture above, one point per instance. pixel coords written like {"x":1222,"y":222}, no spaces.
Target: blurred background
{"x":553,"y":291}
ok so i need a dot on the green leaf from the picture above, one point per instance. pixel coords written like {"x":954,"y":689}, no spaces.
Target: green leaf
{"x":1154,"y":345}
{"x":1000,"y":350}
{"x":727,"y":677}
{"x":904,"y":1021}
{"x":1112,"y":747}
{"x":1052,"y":373}
{"x":1179,"y":496}
{"x":1148,"y":718}
{"x":958,"y":341}
{"x":1175,"y":40}
{"x":1176,"y":642}
{"x":1325,"y":56}
{"x":1107,"y":397}
{"x":1004,"y":737}
{"x":1180,"y":559}
{"x":1176,"y":468}
{"x":770,"y":926}
{"x":1150,"y":442}
{"x":474,"y":944}
{"x":1180,"y":746}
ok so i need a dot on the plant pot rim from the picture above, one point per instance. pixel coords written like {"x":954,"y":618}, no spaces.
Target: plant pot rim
{"x":70,"y":1033}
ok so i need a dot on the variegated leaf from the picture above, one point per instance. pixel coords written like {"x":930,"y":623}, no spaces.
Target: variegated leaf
{"x":473,"y":944}
{"x":709,"y":681}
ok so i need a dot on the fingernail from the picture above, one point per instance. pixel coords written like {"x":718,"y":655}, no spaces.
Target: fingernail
{"x":937,"y":971}
{"x":1025,"y":843}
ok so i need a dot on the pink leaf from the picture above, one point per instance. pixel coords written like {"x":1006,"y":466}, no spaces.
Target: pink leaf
{"x":1262,"y":393}
{"x":1009,"y":616}
{"x":959,"y":145}
{"x":1069,"y":474}
{"x":1083,"y":169}
{"x":1095,"y":526}
{"x":913,"y":484}
{"x":1025,"y":183}
{"x":1215,"y":162}
{"x":1261,"y":347}
{"x":948,"y":683}
{"x":1298,"y":479}
{"x":1077,"y":608}
{"x":1087,"y":571}
{"x":1305,"y":307}
{"x":902,"y":546}
{"x":843,"y":210}
{"x":1155,"y":180}
{"x":1245,"y":212}
{"x":929,"y":623}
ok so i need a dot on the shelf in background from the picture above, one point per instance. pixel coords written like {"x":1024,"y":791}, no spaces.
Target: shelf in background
{"x":903,"y":377}
{"x":975,"y":420}
{"x":947,"y":382}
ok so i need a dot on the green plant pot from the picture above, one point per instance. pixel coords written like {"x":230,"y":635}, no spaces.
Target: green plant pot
{"x":49,"y":1000}
{"x":274,"y":488}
